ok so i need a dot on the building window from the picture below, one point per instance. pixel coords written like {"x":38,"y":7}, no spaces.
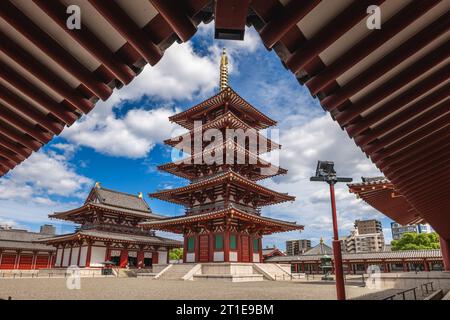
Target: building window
{"x":233,"y":242}
{"x":219,"y":242}
{"x":191,"y":244}
{"x":255,"y":245}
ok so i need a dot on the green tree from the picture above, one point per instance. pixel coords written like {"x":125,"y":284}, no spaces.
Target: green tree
{"x":414,"y":241}
{"x":176,"y":254}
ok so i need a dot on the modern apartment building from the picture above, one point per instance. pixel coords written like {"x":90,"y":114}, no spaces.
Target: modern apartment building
{"x":296,"y":247}
{"x":398,"y":230}
{"x":371,"y":239}
{"x":368,"y":226}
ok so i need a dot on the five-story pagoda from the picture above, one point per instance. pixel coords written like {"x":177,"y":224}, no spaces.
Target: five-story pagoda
{"x":223,"y":222}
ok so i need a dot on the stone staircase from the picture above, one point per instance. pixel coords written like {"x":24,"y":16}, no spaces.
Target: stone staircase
{"x":174,"y":271}
{"x":272,"y":271}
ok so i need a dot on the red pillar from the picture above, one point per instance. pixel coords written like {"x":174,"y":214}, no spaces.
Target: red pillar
{"x":49,"y":261}
{"x":238,"y":247}
{"x":211,"y":246}
{"x":70,"y":255}
{"x":250,"y":248}
{"x":445,"y":249}
{"x":226,"y":246}
{"x":385,"y":267}
{"x":140,"y":258}
{"x":123,"y":258}
{"x":88,"y":255}
{"x":33,"y":261}
{"x":155,"y":257}
{"x":260,"y":250}
{"x":405,"y":266}
{"x":337,"y":253}
{"x":197,"y":247}
{"x":425,"y":265}
{"x":79,"y":253}
{"x":108,"y":253}
{"x":185,"y":247}
{"x":62,"y":255}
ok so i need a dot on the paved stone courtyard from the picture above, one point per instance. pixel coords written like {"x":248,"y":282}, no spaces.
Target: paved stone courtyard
{"x":143,"y":288}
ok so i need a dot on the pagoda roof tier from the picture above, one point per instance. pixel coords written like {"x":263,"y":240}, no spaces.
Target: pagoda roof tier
{"x":178,"y":224}
{"x":241,"y":108}
{"x":229,"y":120}
{"x":182,"y":195}
{"x":78,"y":213}
{"x":100,"y":235}
{"x":109,"y":201}
{"x":190,"y":167}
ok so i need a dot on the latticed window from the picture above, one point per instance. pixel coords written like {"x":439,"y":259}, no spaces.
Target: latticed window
{"x":255,"y":245}
{"x":191,"y":244}
{"x":219,"y":242}
{"x":233,"y":242}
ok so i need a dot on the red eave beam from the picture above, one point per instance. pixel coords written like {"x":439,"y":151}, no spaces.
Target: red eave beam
{"x":56,"y":11}
{"x":287,"y":18}
{"x":14,"y":147}
{"x":25,"y":108}
{"x":43,"y":73}
{"x":388,"y":62}
{"x":139,"y":40}
{"x":175,"y":13}
{"x":401,"y":118}
{"x":338,"y":26}
{"x":22,"y":125}
{"x":47,"y":44}
{"x":19,"y":137}
{"x":398,"y":81}
{"x":61,"y":110}
{"x":423,"y":87}
{"x":363,"y":48}
{"x":230,"y":17}
{"x":428,"y":118}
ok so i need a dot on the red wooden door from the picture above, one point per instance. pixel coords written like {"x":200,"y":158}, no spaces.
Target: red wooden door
{"x":204,"y":248}
{"x":25,"y":262}
{"x":41,"y":262}
{"x":8,"y":261}
{"x":245,"y":249}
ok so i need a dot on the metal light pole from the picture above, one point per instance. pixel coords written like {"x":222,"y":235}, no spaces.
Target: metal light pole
{"x":325,"y":172}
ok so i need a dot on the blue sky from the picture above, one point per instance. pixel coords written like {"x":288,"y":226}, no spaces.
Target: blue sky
{"x":120,"y":142}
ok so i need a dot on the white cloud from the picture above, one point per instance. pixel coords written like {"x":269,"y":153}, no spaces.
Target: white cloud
{"x":132,"y":136}
{"x":182,"y":74}
{"x":318,"y":139}
{"x":40,"y":175}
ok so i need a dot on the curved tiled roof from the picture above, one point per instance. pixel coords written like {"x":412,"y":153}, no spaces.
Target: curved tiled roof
{"x":117,"y":237}
{"x":217,"y":179}
{"x":22,"y":239}
{"x":387,"y":255}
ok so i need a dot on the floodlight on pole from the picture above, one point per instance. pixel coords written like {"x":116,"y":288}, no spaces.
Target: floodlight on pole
{"x":325,"y":173}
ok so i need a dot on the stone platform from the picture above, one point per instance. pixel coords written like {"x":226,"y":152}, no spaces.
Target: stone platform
{"x":226,"y":271}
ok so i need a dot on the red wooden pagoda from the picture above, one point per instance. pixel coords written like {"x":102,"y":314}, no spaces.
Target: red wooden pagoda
{"x":223,"y":222}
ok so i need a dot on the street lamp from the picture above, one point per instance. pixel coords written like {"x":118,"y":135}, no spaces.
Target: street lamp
{"x":325,"y":173}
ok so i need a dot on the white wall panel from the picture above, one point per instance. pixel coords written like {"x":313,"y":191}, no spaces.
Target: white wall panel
{"x":97,"y":256}
{"x":83,"y":256}
{"x":74,"y":259}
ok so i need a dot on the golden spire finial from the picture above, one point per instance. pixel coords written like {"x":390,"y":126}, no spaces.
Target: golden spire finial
{"x":97,"y":185}
{"x":223,"y":70}
{"x":321,"y":240}
{"x":140,"y":195}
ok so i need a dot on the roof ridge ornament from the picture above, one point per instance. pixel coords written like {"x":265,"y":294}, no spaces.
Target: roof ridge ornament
{"x":224,"y":70}
{"x":97,"y":185}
